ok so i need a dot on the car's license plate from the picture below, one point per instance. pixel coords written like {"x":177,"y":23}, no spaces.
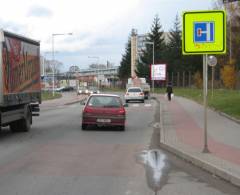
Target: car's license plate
{"x":104,"y":120}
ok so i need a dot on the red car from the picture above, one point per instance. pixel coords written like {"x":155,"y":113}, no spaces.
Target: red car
{"x":104,"y":110}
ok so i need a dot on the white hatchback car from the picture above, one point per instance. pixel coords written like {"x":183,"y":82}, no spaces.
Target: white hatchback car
{"x":134,"y":94}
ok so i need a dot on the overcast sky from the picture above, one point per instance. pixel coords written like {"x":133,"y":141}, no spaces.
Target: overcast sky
{"x":100,"y":27}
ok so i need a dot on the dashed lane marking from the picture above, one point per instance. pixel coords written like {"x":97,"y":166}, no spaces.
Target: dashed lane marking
{"x":147,"y":105}
{"x":140,"y":105}
{"x":135,"y":105}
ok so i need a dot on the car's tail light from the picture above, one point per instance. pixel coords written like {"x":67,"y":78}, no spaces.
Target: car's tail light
{"x":121,"y":111}
{"x":127,"y":93}
{"x":141,"y":93}
{"x":87,"y":109}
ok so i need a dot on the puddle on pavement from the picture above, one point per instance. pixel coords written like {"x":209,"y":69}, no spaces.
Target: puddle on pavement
{"x":155,"y":161}
{"x":156,"y":167}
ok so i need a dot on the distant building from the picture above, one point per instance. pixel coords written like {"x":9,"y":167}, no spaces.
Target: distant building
{"x":104,"y":76}
{"x":134,"y":53}
{"x":142,"y":39}
{"x":138,"y":45}
{"x":141,"y":46}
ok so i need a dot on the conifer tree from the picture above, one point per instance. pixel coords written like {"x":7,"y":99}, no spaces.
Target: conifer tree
{"x":156,"y":35}
{"x":125,"y":64}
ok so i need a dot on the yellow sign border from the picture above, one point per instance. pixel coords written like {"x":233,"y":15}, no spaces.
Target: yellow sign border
{"x":200,"y":15}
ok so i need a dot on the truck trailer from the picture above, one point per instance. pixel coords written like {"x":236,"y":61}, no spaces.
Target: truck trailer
{"x":20,"y":83}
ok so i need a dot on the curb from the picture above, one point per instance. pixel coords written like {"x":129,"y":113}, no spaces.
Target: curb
{"x":75,"y":101}
{"x":204,"y":165}
{"x":229,"y":117}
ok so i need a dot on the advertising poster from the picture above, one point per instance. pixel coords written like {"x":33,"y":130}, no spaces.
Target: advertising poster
{"x":158,"y":72}
{"x":21,"y":66}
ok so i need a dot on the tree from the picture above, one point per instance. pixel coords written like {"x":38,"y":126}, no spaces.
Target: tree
{"x":49,"y":66}
{"x":229,"y":76}
{"x":74,"y":69}
{"x":156,"y":35}
{"x":174,"y":47}
{"x":233,"y":30}
{"x":176,"y":61}
{"x":125,"y":64}
{"x":233,"y":40}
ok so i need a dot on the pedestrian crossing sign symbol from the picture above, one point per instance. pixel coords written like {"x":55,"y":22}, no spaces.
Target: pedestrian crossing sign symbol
{"x":204,"y":32}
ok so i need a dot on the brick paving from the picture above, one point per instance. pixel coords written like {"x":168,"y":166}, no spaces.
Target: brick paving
{"x":182,"y":132}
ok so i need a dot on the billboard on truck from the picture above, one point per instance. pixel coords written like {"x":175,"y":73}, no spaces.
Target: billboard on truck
{"x":20,"y":69}
{"x":21,"y":66}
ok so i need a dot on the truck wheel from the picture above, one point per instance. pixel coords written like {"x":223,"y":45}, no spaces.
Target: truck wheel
{"x":23,"y":125}
{"x":14,"y":126}
{"x":26,"y":122}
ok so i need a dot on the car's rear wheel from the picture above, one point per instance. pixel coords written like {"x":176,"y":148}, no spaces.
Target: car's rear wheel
{"x":142,"y":101}
{"x":122,"y":127}
{"x":126,"y":101}
{"x":84,"y":126}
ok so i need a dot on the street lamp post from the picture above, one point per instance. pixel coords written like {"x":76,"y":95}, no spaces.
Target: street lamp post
{"x":96,"y":57}
{"x":152,"y":43}
{"x":44,"y":66}
{"x":53,"y":62}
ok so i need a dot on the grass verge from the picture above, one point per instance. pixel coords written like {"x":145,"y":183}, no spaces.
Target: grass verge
{"x":222,"y":100}
{"x":49,"y":96}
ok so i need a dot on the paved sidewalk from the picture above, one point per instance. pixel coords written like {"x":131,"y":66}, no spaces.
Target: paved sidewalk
{"x":67,"y":98}
{"x":182,"y":132}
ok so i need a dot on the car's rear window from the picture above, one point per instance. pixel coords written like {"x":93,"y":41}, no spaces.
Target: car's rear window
{"x":134,"y":90}
{"x":104,"y":101}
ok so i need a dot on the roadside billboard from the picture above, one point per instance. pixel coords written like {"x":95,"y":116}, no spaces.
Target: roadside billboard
{"x":72,"y":83}
{"x":158,"y":72}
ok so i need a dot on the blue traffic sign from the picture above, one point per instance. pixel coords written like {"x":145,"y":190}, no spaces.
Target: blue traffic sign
{"x":203,"y":32}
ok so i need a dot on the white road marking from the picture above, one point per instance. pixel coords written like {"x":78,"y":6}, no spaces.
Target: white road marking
{"x":135,"y":105}
{"x":147,"y":105}
{"x":128,"y":192}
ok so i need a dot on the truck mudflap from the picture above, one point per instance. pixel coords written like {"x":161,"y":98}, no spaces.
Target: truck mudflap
{"x":35,"y":109}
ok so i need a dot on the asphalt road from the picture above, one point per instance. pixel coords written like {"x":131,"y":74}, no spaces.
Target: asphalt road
{"x":58,"y":158}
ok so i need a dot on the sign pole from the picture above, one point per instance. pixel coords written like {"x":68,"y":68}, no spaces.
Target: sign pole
{"x":204,"y":32}
{"x":153,"y":69}
{"x":205,"y":89}
{"x":212,"y":79}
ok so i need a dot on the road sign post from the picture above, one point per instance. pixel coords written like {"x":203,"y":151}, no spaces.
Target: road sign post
{"x":212,"y":61}
{"x":205,"y":94}
{"x":204,"y":32}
